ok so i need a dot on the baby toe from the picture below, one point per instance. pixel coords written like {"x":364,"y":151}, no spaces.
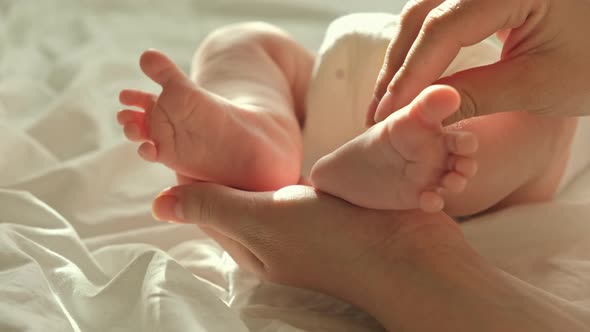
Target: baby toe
{"x":160,"y":68}
{"x":134,"y":132}
{"x":129,"y":116}
{"x":431,"y":202}
{"x":454,"y":182}
{"x":463,"y":165}
{"x":461,"y":143}
{"x":435,"y":104}
{"x":138,"y":98}
{"x":134,"y":126}
{"x":148,"y":152}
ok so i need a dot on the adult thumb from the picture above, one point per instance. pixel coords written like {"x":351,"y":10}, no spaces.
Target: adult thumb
{"x":519,"y":84}
{"x":229,"y":211}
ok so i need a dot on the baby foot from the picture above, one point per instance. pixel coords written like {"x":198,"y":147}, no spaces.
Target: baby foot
{"x":198,"y":134}
{"x":405,"y":161}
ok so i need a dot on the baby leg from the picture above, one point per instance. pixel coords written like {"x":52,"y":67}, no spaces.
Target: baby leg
{"x":237,"y":121}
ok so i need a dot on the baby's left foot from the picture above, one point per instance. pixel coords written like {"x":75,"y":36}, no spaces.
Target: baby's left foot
{"x":405,"y":161}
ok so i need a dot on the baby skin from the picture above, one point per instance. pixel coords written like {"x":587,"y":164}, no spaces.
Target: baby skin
{"x":238,"y":120}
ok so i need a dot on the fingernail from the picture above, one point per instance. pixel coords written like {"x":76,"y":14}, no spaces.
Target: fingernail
{"x":167,"y":207}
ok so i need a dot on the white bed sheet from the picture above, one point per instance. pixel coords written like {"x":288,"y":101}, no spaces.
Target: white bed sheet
{"x":79,"y":250}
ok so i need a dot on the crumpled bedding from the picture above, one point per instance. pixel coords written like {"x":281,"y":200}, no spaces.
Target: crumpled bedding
{"x":79,"y":250}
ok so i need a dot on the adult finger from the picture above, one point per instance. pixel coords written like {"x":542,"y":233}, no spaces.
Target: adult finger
{"x":492,"y":89}
{"x":228,"y":211}
{"x":411,"y":20}
{"x":442,"y":36}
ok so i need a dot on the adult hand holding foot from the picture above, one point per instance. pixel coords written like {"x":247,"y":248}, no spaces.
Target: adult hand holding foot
{"x":412,"y":271}
{"x":543,"y":68}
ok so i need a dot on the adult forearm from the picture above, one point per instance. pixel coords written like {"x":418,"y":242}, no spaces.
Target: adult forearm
{"x":464,"y":295}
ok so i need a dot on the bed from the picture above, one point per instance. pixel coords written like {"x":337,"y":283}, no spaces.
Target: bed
{"x":79,"y":249}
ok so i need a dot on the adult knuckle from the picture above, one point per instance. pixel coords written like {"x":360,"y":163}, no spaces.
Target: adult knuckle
{"x":414,"y":11}
{"x":410,"y":13}
{"x":402,"y":74}
{"x":433,"y":23}
{"x":198,"y":208}
{"x":390,"y":88}
{"x":443,"y":16}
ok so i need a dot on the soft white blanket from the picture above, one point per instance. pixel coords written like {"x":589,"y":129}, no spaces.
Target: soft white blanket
{"x":79,"y":250}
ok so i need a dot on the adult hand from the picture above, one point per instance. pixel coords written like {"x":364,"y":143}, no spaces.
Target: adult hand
{"x":401,"y":267}
{"x":544,"y":66}
{"x":304,"y":238}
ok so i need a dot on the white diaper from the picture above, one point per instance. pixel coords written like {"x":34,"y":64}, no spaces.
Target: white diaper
{"x":579,"y":157}
{"x":345,"y":73}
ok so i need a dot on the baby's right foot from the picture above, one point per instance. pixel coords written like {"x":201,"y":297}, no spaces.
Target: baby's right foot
{"x":200,"y":135}
{"x":403,"y":162}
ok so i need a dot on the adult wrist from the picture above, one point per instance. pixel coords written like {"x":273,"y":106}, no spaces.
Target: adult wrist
{"x":421,"y":260}
{"x":426,"y":292}
{"x":461,"y":292}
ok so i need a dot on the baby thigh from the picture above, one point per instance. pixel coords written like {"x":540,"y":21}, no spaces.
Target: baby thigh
{"x":521,"y":160}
